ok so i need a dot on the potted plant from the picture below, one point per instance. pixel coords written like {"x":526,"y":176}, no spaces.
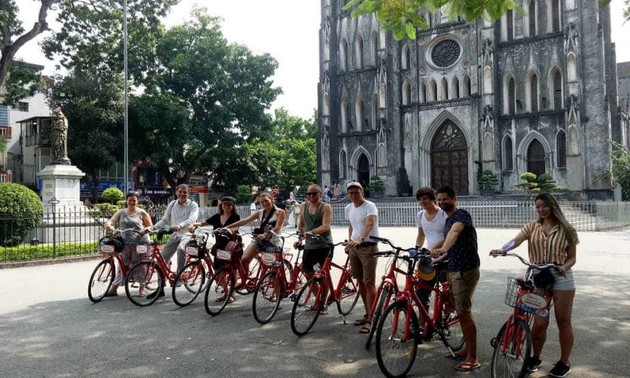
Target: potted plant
{"x":487,"y":182}
{"x":376,"y":187}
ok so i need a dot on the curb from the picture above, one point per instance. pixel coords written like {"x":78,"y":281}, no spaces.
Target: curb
{"x":60,"y":260}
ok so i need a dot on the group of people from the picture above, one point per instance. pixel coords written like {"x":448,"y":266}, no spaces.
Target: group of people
{"x":445,"y":229}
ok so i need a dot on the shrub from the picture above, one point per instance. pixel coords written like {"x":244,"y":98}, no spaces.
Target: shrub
{"x":113,"y":195}
{"x":537,"y":184}
{"x":21,"y":210}
{"x":376,"y":184}
{"x":487,"y":180}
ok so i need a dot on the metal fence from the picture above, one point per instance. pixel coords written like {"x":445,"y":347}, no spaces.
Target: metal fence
{"x":73,"y":231}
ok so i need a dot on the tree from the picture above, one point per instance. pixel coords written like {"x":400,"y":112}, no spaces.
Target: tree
{"x":92,"y":101}
{"x":287,"y":157}
{"x":544,"y":183}
{"x":113,"y":195}
{"x":621,"y":169}
{"x":403,"y":16}
{"x":90,"y":32}
{"x":204,"y":99}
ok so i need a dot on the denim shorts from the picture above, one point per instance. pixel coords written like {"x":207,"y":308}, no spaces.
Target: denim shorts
{"x":563,"y":283}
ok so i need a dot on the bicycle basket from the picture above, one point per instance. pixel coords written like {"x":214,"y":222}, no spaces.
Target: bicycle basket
{"x":526,"y":300}
{"x":192,"y":249}
{"x":110,"y":244}
{"x":232,"y":252}
{"x":272,"y":259}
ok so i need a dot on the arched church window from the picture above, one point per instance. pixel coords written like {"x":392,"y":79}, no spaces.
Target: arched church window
{"x":561,"y":150}
{"x":508,"y":158}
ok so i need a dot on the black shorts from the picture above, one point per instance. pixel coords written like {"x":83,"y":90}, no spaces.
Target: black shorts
{"x":312,"y":257}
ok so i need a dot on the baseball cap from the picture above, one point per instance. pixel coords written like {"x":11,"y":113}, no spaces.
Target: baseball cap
{"x":354,"y":183}
{"x":228,"y":199}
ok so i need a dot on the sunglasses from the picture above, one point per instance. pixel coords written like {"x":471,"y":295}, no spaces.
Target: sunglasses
{"x":312,"y":193}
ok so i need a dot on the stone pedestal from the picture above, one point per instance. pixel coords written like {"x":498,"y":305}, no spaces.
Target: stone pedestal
{"x":61,"y":182}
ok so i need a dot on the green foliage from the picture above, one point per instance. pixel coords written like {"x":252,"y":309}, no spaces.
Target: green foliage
{"x":243,"y":194}
{"x":41,"y":251}
{"x":487,"y":180}
{"x":403,"y":16}
{"x":402,"y":182}
{"x":376,"y":185}
{"x":204,"y":100}
{"x":103,"y":210}
{"x":113,"y":194}
{"x":621,"y":169}
{"x":21,"y":210}
{"x":541,"y":184}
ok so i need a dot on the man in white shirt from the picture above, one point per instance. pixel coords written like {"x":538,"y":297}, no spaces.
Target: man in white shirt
{"x":179,"y":214}
{"x":363,"y":218}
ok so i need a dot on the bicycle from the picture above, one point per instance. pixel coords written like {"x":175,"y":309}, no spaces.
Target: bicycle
{"x":387,"y":288}
{"x":103,"y":275}
{"x":222,"y":285}
{"x":399,"y":332}
{"x":513,"y":344}
{"x":319,"y":292}
{"x":281,"y":280}
{"x":147,"y":278}
{"x":191,"y":280}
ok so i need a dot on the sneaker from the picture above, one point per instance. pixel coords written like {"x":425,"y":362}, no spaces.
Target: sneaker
{"x":159,"y":293}
{"x":560,"y":370}
{"x":533,"y":363}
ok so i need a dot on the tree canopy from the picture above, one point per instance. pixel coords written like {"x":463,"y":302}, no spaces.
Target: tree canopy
{"x":403,"y":16}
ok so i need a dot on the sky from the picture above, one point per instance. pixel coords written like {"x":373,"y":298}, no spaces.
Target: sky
{"x":289,"y":31}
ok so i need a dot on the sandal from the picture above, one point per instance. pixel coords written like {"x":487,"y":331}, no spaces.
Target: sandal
{"x":324,"y":310}
{"x":362,"y":321}
{"x":468,"y":366}
{"x":457,"y":356}
{"x":366,"y":328}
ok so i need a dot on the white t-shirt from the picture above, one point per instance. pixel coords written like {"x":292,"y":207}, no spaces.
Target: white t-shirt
{"x":357,"y":216}
{"x":433,"y":229}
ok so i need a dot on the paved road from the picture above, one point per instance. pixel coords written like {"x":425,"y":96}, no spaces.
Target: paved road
{"x":48,"y":327}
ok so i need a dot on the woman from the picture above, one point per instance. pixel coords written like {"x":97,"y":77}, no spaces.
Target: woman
{"x":130,"y":217}
{"x":270,"y":218}
{"x":297,"y":208}
{"x":226,"y":216}
{"x":551,"y":239}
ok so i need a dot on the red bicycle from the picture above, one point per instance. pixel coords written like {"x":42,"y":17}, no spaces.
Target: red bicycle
{"x":281,"y":280}
{"x":147,"y":278}
{"x":399,"y":332}
{"x":513,"y":344}
{"x":102,"y":278}
{"x":222,"y":285}
{"x":320,"y":291}
{"x":191,"y":280}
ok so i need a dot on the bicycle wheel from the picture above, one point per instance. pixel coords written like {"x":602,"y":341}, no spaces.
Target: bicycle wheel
{"x":101,"y":280}
{"x":348,"y":296}
{"x":512,"y":347}
{"x":383,"y":301}
{"x":306,"y":307}
{"x":143,"y":283}
{"x":255,"y":267}
{"x":267,"y":297}
{"x":219,"y":291}
{"x":452,"y":334}
{"x":397,"y":339}
{"x":189,"y":283}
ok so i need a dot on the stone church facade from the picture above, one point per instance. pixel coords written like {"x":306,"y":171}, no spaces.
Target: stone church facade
{"x":533,"y":92}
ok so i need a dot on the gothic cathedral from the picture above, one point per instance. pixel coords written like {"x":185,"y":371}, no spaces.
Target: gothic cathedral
{"x":533,"y":92}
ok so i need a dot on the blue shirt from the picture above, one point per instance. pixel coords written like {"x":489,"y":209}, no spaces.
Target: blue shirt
{"x":463,"y":254}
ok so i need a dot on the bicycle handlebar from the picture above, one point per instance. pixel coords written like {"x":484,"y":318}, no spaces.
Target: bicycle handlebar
{"x":525,"y":262}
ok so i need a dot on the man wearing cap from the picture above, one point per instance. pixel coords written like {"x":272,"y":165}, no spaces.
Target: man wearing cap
{"x":363,"y":218}
{"x":179,"y":214}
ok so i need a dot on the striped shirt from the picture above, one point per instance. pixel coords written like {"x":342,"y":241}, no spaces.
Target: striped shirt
{"x":546,"y":249}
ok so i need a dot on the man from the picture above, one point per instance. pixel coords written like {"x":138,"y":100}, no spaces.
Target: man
{"x":363,"y":218}
{"x":179,"y":214}
{"x":315,"y":217}
{"x":460,"y":243}
{"x":430,"y":222}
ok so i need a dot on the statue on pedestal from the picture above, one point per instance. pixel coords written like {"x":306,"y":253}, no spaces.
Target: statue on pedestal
{"x":59,"y":139}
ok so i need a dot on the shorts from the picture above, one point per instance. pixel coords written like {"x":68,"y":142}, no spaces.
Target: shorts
{"x":462,"y":286}
{"x":363,"y":262}
{"x":312,"y":257}
{"x":563,"y":283}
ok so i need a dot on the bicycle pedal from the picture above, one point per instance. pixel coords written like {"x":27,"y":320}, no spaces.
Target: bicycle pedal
{"x":493,"y":342}
{"x":292,"y":297}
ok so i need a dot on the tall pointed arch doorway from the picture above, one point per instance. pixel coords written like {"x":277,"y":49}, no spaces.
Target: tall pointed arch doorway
{"x":363,"y":170}
{"x":536,"y":158}
{"x":449,"y":158}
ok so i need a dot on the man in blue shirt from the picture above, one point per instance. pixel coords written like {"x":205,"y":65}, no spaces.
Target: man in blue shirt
{"x":460,"y":243}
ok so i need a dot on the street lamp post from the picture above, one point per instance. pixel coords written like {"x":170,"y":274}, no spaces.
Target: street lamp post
{"x":126,"y":104}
